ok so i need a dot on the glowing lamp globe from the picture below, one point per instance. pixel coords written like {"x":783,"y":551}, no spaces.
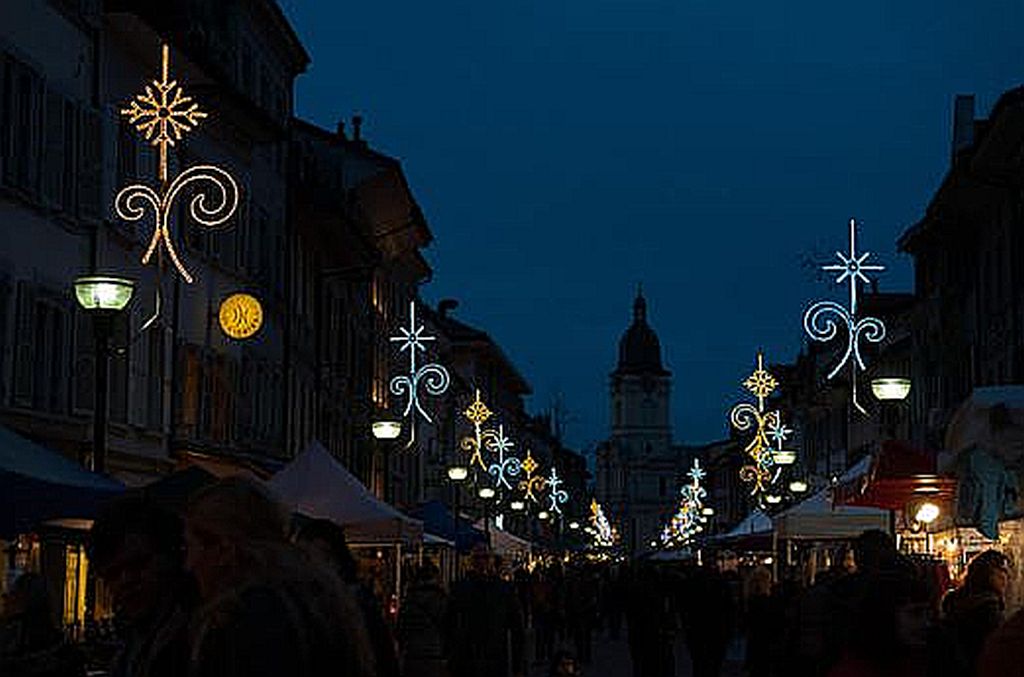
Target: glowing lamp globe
{"x":387,"y":430}
{"x":798,"y":486}
{"x":457,"y":473}
{"x":707,"y":512}
{"x":773,"y":499}
{"x":574,"y":525}
{"x":927,"y":513}
{"x":486,"y":492}
{"x":890,"y":389}
{"x":784,"y":457}
{"x":517,"y":505}
{"x":543,"y":514}
{"x":103,"y":293}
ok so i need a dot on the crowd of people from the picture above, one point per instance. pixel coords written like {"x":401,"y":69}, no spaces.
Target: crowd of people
{"x":234,"y":585}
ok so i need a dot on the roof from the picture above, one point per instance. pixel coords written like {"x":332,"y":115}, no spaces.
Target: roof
{"x":639,"y":347}
{"x":459,"y":332}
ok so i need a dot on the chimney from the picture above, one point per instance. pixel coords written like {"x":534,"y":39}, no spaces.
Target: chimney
{"x":357,"y":127}
{"x":341,"y":130}
{"x":963,"y":123}
{"x":446,"y":306}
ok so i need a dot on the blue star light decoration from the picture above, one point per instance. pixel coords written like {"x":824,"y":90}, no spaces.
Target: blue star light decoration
{"x":556,"y":496}
{"x":505,"y":466}
{"x":822,"y":319}
{"x":431,"y":376}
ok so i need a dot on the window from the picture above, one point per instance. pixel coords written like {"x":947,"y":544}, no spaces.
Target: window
{"x":22,"y":98}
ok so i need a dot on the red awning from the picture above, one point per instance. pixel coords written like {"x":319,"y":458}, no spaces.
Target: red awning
{"x":900,"y":474}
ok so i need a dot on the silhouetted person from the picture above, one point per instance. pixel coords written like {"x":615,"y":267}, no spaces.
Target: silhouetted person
{"x":971,"y":613}
{"x":710,"y":624}
{"x":888,"y":628}
{"x":267,"y":609}
{"x":137,"y":551}
{"x":485,"y":623}
{"x":421,"y":625}
{"x":30,"y":644}
{"x":762,"y":620}
{"x":325,"y":542}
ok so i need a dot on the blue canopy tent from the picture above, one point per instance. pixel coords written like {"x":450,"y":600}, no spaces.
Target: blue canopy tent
{"x":438,"y":520}
{"x":38,"y":485}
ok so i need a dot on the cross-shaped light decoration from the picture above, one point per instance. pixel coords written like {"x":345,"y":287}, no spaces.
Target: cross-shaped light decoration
{"x":163,"y":114}
{"x":432,"y":376}
{"x":531,"y":483}
{"x":556,"y":496}
{"x":477,"y":413}
{"x":821,"y":327}
{"x":760,"y":472}
{"x":496,"y":442}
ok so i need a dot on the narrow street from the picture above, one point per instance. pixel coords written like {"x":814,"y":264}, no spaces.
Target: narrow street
{"x":611,"y":659}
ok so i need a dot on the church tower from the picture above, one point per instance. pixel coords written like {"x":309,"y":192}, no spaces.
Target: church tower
{"x":640,"y":390}
{"x":637,"y":465}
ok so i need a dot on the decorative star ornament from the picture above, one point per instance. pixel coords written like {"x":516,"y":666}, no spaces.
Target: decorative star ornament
{"x":531,"y":483}
{"x":432,"y":376}
{"x":505,"y":466}
{"x":163,"y":113}
{"x":760,"y":472}
{"x":822,"y":319}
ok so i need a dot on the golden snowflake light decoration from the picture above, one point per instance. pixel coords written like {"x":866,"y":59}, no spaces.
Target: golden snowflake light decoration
{"x":532,"y":483}
{"x":163,"y":114}
{"x":761,"y":471}
{"x":477,"y":413}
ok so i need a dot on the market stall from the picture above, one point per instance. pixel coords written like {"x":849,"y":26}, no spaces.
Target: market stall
{"x":314,"y":484}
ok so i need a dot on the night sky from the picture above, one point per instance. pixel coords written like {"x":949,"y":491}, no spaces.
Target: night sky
{"x":564,"y":151}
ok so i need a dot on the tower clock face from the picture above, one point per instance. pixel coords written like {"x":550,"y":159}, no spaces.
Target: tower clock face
{"x":241,"y":316}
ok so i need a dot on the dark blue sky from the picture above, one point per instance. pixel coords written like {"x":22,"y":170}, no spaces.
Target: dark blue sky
{"x":565,"y":150}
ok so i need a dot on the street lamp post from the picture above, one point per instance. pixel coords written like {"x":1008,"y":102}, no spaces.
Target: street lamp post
{"x":890,"y":392}
{"x":487,"y":493}
{"x":457,"y":474}
{"x":102,"y":297}
{"x":385,"y":430}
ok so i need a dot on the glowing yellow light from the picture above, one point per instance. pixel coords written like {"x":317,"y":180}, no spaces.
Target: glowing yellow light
{"x":165,"y":114}
{"x":241,"y":316}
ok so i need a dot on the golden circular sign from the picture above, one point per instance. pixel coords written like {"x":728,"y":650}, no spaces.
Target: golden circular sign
{"x":241,"y":316}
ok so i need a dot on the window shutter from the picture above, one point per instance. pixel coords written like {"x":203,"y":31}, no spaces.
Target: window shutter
{"x":23,"y":350}
{"x":53,"y":152}
{"x":90,"y":166}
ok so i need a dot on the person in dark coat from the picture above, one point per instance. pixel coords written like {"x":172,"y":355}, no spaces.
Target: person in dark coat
{"x":266,"y":608}
{"x":136,"y":547}
{"x":971,"y":613}
{"x":421,"y":625}
{"x":325,"y":542}
{"x":484,"y":623}
{"x":710,"y":624}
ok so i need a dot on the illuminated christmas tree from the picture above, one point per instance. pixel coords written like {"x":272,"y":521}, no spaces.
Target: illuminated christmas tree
{"x":689,"y":519}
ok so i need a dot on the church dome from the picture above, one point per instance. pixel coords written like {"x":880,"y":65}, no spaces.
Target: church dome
{"x":639,"y":347}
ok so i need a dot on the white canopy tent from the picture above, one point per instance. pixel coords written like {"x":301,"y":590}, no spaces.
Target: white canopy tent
{"x":754,"y":524}
{"x":973,"y":423}
{"x":502,"y":542}
{"x":316,"y":485}
{"x":816,"y":518}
